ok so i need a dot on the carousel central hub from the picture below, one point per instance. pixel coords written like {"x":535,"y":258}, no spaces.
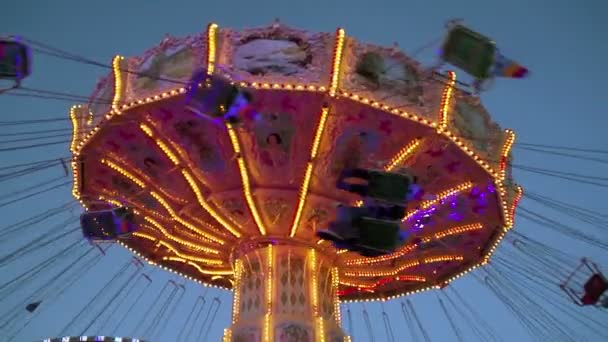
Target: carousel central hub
{"x":285,"y":291}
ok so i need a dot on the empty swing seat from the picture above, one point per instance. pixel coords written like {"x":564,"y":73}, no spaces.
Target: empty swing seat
{"x":469,"y":51}
{"x":14,"y":60}
{"x":380,"y":235}
{"x":594,"y":289}
{"x":108,"y":225}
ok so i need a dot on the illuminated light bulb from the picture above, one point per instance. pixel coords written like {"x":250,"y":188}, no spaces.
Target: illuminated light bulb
{"x":445,"y":101}
{"x":245,"y":180}
{"x":337,"y":62}
{"x":309,"y":169}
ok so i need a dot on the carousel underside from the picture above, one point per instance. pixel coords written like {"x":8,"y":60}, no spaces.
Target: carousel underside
{"x":207,"y":194}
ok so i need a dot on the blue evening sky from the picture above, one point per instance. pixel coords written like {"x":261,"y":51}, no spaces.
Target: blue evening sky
{"x":560,"y":104}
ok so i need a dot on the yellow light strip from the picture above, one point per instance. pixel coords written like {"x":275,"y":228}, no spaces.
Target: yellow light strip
{"x":203,"y":203}
{"x":227,"y":335}
{"x":454,"y":231}
{"x":179,"y":240}
{"x":269,"y":288}
{"x":503,"y":199}
{"x":114,"y":202}
{"x":124,"y":173}
{"x":187,"y":224}
{"x":236,"y":302}
{"x":190,"y":180}
{"x":504,"y":154}
{"x":211,"y":47}
{"x":187,"y":256}
{"x":516,"y":200}
{"x":337,"y":62}
{"x":118,"y":83}
{"x":403,"y":154}
{"x":309,"y":168}
{"x":245,"y":178}
{"x":202,"y":270}
{"x":321,"y":329}
{"x":440,"y":197}
{"x":372,"y":284}
{"x":76,"y":127}
{"x":445,"y":102}
{"x":312,"y":254}
{"x":153,"y":263}
{"x":144,"y":177}
{"x":145,"y":236}
{"x":409,"y":248}
{"x":335,"y":285}
{"x":403,"y":267}
{"x":76,"y":180}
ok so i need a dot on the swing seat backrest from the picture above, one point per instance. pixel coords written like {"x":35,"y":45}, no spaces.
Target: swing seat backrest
{"x":594,"y":288}
{"x":14,"y":59}
{"x":215,"y":99}
{"x":389,"y":186}
{"x":379,"y":234}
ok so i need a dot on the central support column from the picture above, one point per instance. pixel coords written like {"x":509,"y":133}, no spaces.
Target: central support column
{"x":285,"y":293}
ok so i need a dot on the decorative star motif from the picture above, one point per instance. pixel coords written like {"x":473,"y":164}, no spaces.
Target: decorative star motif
{"x":451,"y":167}
{"x":286,"y":104}
{"x":386,"y":127}
{"x":434,"y":152}
{"x":126,"y":135}
{"x":114,"y":147}
{"x":358,"y":117}
{"x":166,"y":115}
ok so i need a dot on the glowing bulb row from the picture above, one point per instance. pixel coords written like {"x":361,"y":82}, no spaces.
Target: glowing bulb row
{"x":238,"y":281}
{"x":179,"y":240}
{"x":118,"y":82}
{"x":269,"y":289}
{"x":209,"y":261}
{"x":308,"y":173}
{"x":190,"y":180}
{"x":504,"y":154}
{"x":445,"y":102}
{"x":409,"y":248}
{"x":151,"y":262}
{"x":337,"y":62}
{"x":403,"y":154}
{"x":245,"y":179}
{"x":442,"y":196}
{"x":403,"y":267}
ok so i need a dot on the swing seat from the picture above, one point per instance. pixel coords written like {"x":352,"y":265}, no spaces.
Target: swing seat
{"x":108,"y":225}
{"x":469,"y":51}
{"x":15,"y":62}
{"x":594,"y":288}
{"x":383,"y":186}
{"x":379,"y":235}
{"x":389,"y":187}
{"x":592,"y":292}
{"x":219,"y":99}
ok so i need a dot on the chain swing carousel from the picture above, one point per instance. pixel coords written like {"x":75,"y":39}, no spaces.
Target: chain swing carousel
{"x":239,"y":206}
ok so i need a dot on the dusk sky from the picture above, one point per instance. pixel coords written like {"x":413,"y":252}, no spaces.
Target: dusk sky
{"x":559,"y":104}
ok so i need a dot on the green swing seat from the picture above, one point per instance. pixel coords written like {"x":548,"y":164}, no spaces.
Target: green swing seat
{"x":469,"y":51}
{"x":378,"y":234}
{"x":389,"y":187}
